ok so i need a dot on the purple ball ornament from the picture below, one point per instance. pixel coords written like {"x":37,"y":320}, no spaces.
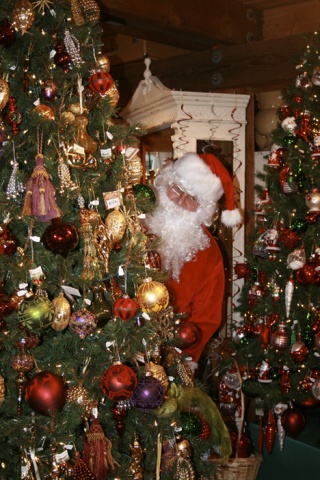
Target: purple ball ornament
{"x":82,"y":322}
{"x":148,"y":395}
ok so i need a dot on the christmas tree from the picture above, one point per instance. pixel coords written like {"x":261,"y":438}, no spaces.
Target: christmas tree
{"x":94,"y":382}
{"x":276,"y":344}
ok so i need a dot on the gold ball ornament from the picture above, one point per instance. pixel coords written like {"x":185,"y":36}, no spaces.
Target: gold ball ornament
{"x":67,"y":118}
{"x":2,"y":390}
{"x":116,"y":223}
{"x":152,"y":296}
{"x":114,"y":95}
{"x":103,"y":63}
{"x":23,"y":16}
{"x":4,"y":93}
{"x":62,"y":312}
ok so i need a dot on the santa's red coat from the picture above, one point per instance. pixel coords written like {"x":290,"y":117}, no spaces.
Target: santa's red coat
{"x":200,"y":292}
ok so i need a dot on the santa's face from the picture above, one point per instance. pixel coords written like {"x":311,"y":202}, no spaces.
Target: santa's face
{"x":182,"y":199}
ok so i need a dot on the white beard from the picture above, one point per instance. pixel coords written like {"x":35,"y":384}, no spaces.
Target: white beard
{"x":181,"y":232}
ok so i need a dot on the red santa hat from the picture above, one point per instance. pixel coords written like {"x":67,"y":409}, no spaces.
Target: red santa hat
{"x":205,"y":177}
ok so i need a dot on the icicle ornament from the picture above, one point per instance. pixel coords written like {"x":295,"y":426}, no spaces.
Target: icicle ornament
{"x":288,"y":295}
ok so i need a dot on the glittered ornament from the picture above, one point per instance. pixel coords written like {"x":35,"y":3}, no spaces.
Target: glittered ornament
{"x":118,"y":382}
{"x":100,"y":82}
{"x":46,"y":393}
{"x":82,"y":322}
{"x":307,"y":275}
{"x":289,"y":238}
{"x":148,"y":394}
{"x":36,"y":313}
{"x":81,"y":471}
{"x":60,"y":237}
{"x":293,"y":421}
{"x":125,"y":307}
{"x":103,"y":62}
{"x":83,"y":138}
{"x":269,"y":432}
{"x":280,"y":338}
{"x":191,"y":423}
{"x":187,"y":335}
{"x":23,"y":361}
{"x":23,"y":16}
{"x":62,"y":312}
{"x":158,"y":372}
{"x":134,"y":169}
{"x":46,"y":113}
{"x":288,"y":295}
{"x":297,"y":258}
{"x":152,"y":296}
{"x":7,"y":33}
{"x":116,"y":223}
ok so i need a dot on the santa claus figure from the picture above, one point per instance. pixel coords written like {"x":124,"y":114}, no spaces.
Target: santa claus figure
{"x":188,"y":191}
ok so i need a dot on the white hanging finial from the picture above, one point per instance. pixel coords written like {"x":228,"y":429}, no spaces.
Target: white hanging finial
{"x":147,"y":76}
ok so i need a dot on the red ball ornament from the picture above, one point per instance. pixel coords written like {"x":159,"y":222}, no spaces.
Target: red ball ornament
{"x":100,"y":82}
{"x":46,"y":393}
{"x":118,"y":382}
{"x":187,"y":335}
{"x":312,"y":217}
{"x":125,"y":307}
{"x":293,"y":421}
{"x":307,"y":275}
{"x":60,"y":237}
{"x":242,"y":270}
{"x":298,"y":351}
{"x":148,"y":395}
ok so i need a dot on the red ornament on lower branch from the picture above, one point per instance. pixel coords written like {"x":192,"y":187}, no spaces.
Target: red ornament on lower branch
{"x":46,"y":393}
{"x":118,"y":382}
{"x":187,"y":335}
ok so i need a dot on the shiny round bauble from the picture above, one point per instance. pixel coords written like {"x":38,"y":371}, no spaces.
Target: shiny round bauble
{"x":152,"y":296}
{"x":4,"y":93}
{"x":46,"y":393}
{"x":23,"y":16}
{"x":187,"y":335}
{"x":49,"y":90}
{"x":307,"y":275}
{"x":118,"y":382}
{"x":99,"y":306}
{"x":280,"y":338}
{"x":82,"y":322}
{"x":103,"y":63}
{"x":191,"y":423}
{"x":7,"y":33}
{"x":62,"y":313}
{"x":298,"y":352}
{"x":289,"y":140}
{"x":312,"y":200}
{"x":144,"y":196}
{"x":299,"y":225}
{"x":250,"y":387}
{"x":114,"y":95}
{"x":125,"y":308}
{"x":316,"y":389}
{"x":60,"y":237}
{"x":36,"y":313}
{"x":100,"y":82}
{"x":45,"y":112}
{"x":148,"y":394}
{"x":8,"y":242}
{"x":293,"y":421}
{"x":242,"y":270}
{"x":231,"y":379}
{"x":23,"y":361}
{"x":117,"y":224}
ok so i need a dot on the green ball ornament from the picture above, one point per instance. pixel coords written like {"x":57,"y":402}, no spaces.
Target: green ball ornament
{"x":144,"y":196}
{"x":36,"y":313}
{"x":299,"y":225}
{"x":289,"y":140}
{"x":191,"y":424}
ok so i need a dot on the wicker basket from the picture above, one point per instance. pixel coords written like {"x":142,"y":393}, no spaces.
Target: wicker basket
{"x":239,"y":468}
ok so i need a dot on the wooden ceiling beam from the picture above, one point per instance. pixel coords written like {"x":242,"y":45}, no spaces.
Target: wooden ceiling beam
{"x":260,"y":66}
{"x":183,"y":23}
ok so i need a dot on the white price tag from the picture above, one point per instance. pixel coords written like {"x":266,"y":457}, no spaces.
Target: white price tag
{"x":62,"y":457}
{"x":145,"y":316}
{"x":35,"y":238}
{"x":36,"y":102}
{"x":120,"y":271}
{"x":112,"y":203}
{"x":106,"y":153}
{"x":71,"y":290}
{"x":78,"y":149}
